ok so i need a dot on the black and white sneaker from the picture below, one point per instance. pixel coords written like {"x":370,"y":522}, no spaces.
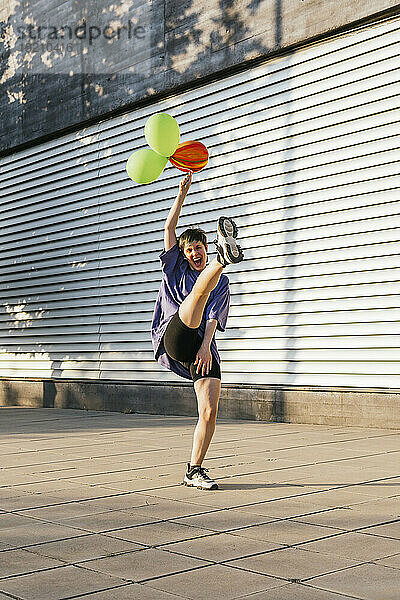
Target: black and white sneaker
{"x":228,"y":251}
{"x":197,"y":477}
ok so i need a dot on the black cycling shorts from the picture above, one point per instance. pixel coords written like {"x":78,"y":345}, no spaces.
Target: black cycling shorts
{"x":182,"y":344}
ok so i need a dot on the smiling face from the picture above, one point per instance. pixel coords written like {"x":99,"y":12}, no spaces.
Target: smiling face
{"x":196,"y":254}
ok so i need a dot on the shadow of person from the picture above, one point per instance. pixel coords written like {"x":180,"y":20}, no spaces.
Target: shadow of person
{"x":256,"y":486}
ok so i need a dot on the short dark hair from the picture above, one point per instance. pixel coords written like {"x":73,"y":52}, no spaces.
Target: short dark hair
{"x":193,"y":234}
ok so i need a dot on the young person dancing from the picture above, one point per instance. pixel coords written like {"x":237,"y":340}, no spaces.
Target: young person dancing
{"x":192,"y":303}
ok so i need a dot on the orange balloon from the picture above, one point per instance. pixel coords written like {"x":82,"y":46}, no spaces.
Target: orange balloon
{"x":190,"y":156}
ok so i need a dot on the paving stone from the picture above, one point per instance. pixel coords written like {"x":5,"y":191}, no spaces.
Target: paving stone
{"x":293,"y":563}
{"x":368,"y":582}
{"x":262,"y":479}
{"x":223,"y":520}
{"x":23,"y":501}
{"x":57,"y":583}
{"x":17,"y":562}
{"x":160,"y":533}
{"x":86,"y":547}
{"x":153,"y":488}
{"x":295,"y":591}
{"x":8,"y":492}
{"x":389,"y":561}
{"x":389,"y":506}
{"x":18,"y":479}
{"x":45,"y":486}
{"x":384,"y":488}
{"x":288,"y":508}
{"x":85,"y":493}
{"x":203,"y":583}
{"x":110,"y":520}
{"x":339,"y":496}
{"x":284,"y":532}
{"x":9,"y":520}
{"x":346,"y":518}
{"x":221,"y":547}
{"x":4,"y":546}
{"x":239,"y":499}
{"x":68,"y":491}
{"x":390,"y":530}
{"x":329,"y":478}
{"x":144,"y":476}
{"x":62,"y":513}
{"x":161,"y":508}
{"x":134,"y":591}
{"x":124,"y":481}
{"x":140,"y":502}
{"x":144,"y":564}
{"x":36,"y":533}
{"x":355,"y":545}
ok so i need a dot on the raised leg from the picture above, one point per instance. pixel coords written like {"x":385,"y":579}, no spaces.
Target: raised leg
{"x":207,"y":391}
{"x":192,"y":308}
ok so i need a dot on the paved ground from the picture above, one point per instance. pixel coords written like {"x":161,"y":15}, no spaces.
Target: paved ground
{"x":91,"y":507}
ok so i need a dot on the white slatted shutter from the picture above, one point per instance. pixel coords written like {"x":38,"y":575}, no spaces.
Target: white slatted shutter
{"x":304,"y":154}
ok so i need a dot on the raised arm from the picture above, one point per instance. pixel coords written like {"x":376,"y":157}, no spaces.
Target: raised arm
{"x":175,"y":211}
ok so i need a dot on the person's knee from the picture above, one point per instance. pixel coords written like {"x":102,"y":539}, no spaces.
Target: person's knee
{"x":207,"y":391}
{"x":208,"y":413}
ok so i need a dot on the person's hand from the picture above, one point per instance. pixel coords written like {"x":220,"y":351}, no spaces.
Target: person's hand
{"x":203,"y":361}
{"x":185,"y":184}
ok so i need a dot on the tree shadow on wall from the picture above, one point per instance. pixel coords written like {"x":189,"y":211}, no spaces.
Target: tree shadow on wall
{"x":161,"y":45}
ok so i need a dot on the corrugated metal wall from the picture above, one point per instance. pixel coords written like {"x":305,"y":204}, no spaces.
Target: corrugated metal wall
{"x":304,"y":154}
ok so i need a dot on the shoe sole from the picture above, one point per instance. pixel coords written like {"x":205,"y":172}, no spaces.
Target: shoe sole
{"x":227,"y":227}
{"x":199,"y":487}
{"x":229,"y":231}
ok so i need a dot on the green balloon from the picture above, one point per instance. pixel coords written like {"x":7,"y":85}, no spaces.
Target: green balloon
{"x":145,"y":165}
{"x":162,"y":133}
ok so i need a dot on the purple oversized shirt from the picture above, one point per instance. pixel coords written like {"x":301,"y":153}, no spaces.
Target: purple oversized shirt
{"x":177,"y":282}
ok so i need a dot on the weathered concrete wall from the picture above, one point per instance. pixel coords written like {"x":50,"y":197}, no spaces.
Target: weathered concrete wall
{"x":320,"y":407}
{"x":68,"y":62}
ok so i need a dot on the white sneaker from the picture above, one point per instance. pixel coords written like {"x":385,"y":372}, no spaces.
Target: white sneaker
{"x":228,"y":251}
{"x":197,"y":477}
